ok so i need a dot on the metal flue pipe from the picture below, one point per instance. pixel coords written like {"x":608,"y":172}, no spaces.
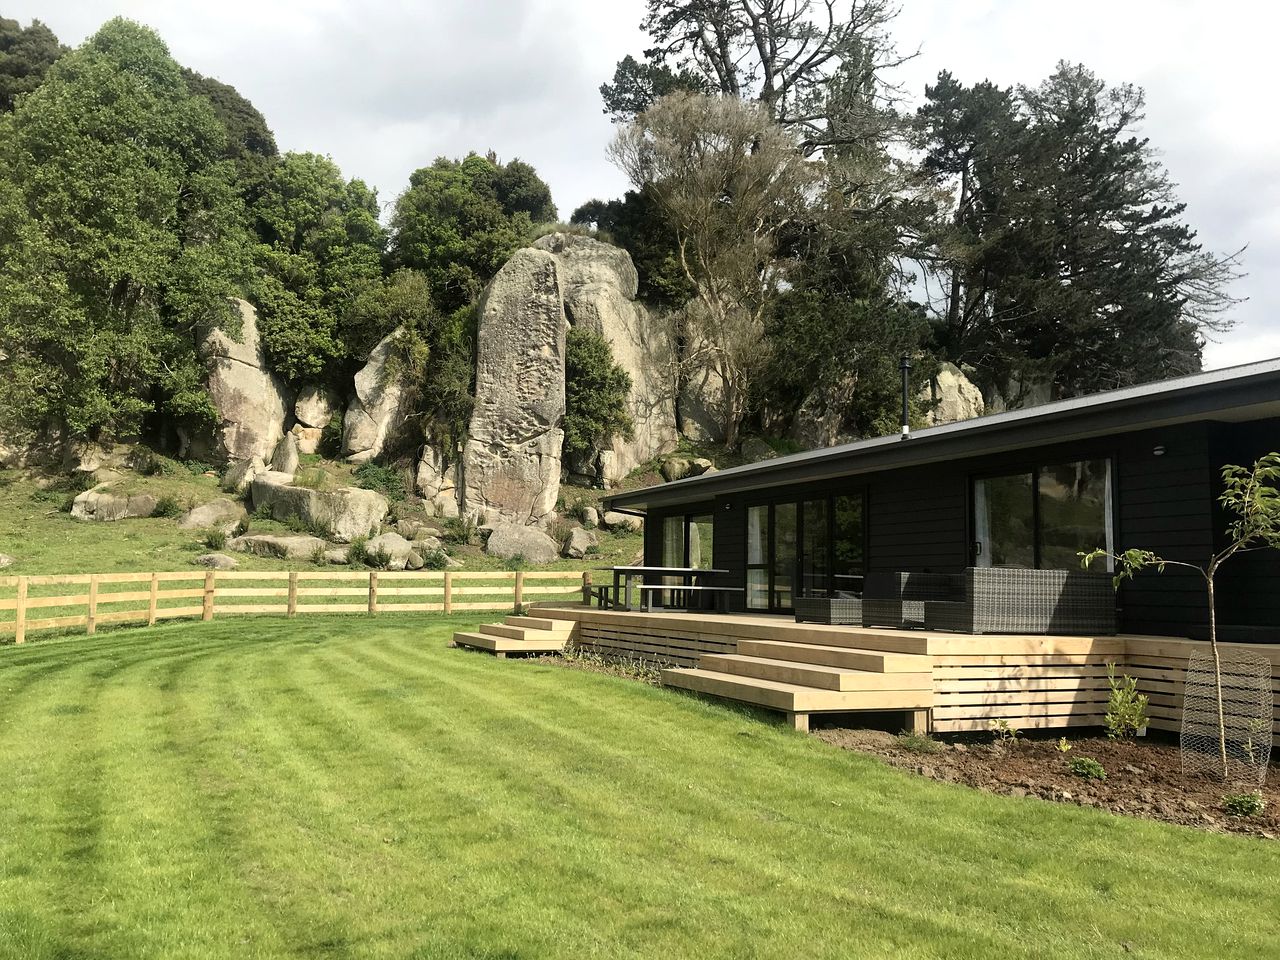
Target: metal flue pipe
{"x":905,"y":367}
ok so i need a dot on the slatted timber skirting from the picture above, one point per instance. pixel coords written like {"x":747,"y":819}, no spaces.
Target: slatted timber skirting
{"x":1033,"y":682}
{"x":42,"y":603}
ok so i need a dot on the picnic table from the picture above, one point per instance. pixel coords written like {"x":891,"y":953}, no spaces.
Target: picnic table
{"x":618,"y":595}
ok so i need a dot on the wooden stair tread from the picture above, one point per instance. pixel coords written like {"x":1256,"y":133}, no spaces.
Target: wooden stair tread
{"x":538,"y":623}
{"x":792,"y":697}
{"x":497,"y":644}
{"x":817,"y":675}
{"x":879,"y":661}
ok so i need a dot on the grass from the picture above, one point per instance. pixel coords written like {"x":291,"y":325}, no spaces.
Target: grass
{"x":351,"y":788}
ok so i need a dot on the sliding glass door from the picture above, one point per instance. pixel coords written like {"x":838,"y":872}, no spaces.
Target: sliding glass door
{"x":1045,"y":517}
{"x":812,"y":547}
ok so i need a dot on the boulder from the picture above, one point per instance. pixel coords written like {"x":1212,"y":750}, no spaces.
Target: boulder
{"x":293,"y":546}
{"x":700,"y":465}
{"x":285,"y":459}
{"x":613,"y":520}
{"x":216,"y":561}
{"x":6,"y":561}
{"x":101,"y":503}
{"x":240,"y":474}
{"x":676,"y":468}
{"x":591,"y":516}
{"x":346,"y":512}
{"x":396,"y":547}
{"x":337,"y":555}
{"x":221,"y":514}
{"x":598,"y":282}
{"x":436,"y":481}
{"x":378,"y":410}
{"x":753,"y":450}
{"x":315,"y":407}
{"x":955,"y":397}
{"x":250,"y":400}
{"x":426,"y":545}
{"x":579,"y":542}
{"x":509,"y":540}
{"x":307,"y":438}
{"x":512,"y":456}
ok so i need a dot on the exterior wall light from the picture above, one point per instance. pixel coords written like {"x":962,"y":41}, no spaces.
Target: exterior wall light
{"x":1158,"y":451}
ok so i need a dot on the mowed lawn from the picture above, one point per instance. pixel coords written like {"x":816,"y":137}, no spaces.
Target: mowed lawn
{"x":353,"y":788}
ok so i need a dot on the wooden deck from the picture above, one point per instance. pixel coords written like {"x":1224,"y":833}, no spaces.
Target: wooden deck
{"x":943,"y":682}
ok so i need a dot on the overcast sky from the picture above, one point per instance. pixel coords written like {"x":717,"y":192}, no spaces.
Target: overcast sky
{"x":385,"y":87}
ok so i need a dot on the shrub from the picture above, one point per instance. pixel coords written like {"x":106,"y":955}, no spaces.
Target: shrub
{"x":1004,"y":732}
{"x":463,"y":531}
{"x":559,"y":530}
{"x":241,"y":528}
{"x":318,"y":557}
{"x":1244,"y":804}
{"x":379,"y":559}
{"x":168,"y":506}
{"x":1126,"y":708}
{"x":1062,"y":746}
{"x":435,"y":560}
{"x":596,"y":391}
{"x":517,"y":562}
{"x":357,"y":553}
{"x":215,"y":539}
{"x":388,"y":481}
{"x":918,"y":743}
{"x":1087,"y":768}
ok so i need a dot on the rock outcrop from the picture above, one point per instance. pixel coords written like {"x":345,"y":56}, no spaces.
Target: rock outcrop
{"x":613,"y":520}
{"x":102,"y":503}
{"x":251,"y":401}
{"x":377,"y":411}
{"x":216,"y":561}
{"x":313,"y":411}
{"x":345,"y":513}
{"x":398,"y":551}
{"x":285,"y":459}
{"x":221,"y":514}
{"x":598,"y":283}
{"x":239,"y":475}
{"x":579,"y":543}
{"x":512,"y":459}
{"x":956,"y":396}
{"x":437,"y":481}
{"x":511,"y":540}
{"x":297,"y":546}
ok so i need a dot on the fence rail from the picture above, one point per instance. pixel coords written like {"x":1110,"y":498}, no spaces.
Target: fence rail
{"x":149,"y":598}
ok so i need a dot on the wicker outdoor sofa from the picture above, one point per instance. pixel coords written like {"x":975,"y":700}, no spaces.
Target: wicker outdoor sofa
{"x":1015,"y":600}
{"x":845,"y":611}
{"x":897,"y":599}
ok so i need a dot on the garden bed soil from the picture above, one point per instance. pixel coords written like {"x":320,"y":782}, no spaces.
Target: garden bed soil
{"x":1144,"y":778}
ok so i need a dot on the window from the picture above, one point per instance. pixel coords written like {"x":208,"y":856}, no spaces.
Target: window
{"x":688,"y":541}
{"x":812,"y":547}
{"x":1045,"y":517}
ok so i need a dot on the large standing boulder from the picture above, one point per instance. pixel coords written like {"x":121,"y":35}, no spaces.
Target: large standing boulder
{"x":221,"y":514}
{"x":511,"y":540}
{"x":103,"y":503}
{"x":436,"y":481}
{"x":599,"y":283}
{"x":377,"y":412}
{"x":285,"y":459}
{"x":250,"y":400}
{"x":512,"y":459}
{"x":239,"y":475}
{"x":313,"y":411}
{"x":955,"y":396}
{"x":345,"y":513}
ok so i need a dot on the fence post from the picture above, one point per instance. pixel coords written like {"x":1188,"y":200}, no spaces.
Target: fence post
{"x":91,"y":625}
{"x":293,"y":594}
{"x":519,"y":589}
{"x":373,"y":591}
{"x":153,"y":600}
{"x":20,"y":613}
{"x":206,"y":608}
{"x":448,"y":591}
{"x":586,"y":588}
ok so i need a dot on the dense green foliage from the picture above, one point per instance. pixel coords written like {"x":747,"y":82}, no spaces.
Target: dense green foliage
{"x":350,"y":787}
{"x":596,"y":391}
{"x":26,"y":54}
{"x":636,"y":223}
{"x":251,"y":145}
{"x":321,"y":247}
{"x":459,"y":221}
{"x":121,"y":237}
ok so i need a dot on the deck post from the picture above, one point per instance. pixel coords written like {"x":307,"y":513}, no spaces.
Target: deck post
{"x":519,"y":589}
{"x":918,"y":722}
{"x":798,"y":721}
{"x":586,"y":588}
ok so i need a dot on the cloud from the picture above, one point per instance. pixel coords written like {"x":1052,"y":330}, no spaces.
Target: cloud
{"x":385,"y":86}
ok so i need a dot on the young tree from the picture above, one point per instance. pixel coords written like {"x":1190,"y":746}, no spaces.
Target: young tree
{"x":26,"y":54}
{"x":121,"y":218}
{"x":1251,"y":498}
{"x":596,"y":392}
{"x":729,"y":181}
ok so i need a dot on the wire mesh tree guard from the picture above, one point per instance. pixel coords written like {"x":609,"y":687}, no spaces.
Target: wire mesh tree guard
{"x":1246,"y":717}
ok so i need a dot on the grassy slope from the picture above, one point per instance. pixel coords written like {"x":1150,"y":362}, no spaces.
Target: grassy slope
{"x":347,"y":788}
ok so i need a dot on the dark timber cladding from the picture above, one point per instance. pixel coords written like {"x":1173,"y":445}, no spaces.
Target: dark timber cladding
{"x":1165,"y":444}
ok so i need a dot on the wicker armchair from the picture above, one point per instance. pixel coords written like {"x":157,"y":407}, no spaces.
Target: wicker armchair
{"x":898,"y":599}
{"x":845,"y":611}
{"x":1015,"y":600}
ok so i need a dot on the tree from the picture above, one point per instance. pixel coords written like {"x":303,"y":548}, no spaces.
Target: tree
{"x":781,"y":53}
{"x":729,"y":181}
{"x":1065,"y":257}
{"x":125,"y":237}
{"x":636,"y":223}
{"x":321,"y":246}
{"x":1250,"y":496}
{"x":596,"y":392}
{"x":251,"y":145}
{"x":459,"y":222}
{"x":26,"y":54}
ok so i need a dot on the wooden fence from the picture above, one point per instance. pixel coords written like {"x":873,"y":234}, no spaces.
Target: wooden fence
{"x":35,"y":603}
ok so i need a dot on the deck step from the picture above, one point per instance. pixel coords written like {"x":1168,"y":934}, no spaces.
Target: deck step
{"x":862,"y":638}
{"x":813,"y":674}
{"x":850,"y":658}
{"x":792,"y":697}
{"x":522,"y":633}
{"x":540,"y":623}
{"x":498,"y":644}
